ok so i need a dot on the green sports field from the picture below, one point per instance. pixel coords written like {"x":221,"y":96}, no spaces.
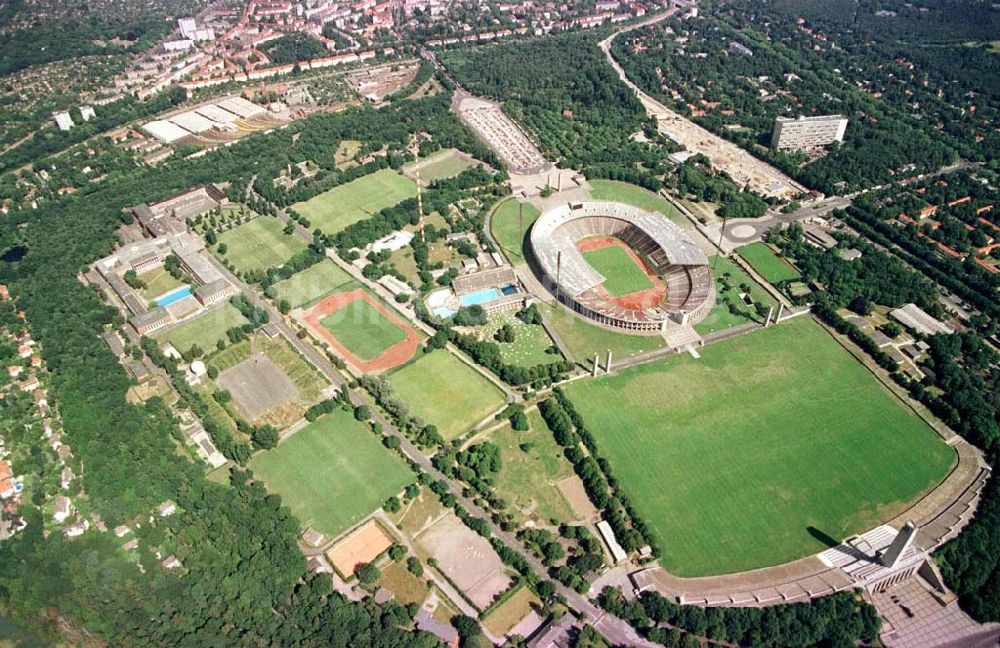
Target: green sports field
{"x":361,"y":328}
{"x":316,"y":281}
{"x":260,"y":244}
{"x":446,"y":392}
{"x":633,"y":195}
{"x":205,"y":330}
{"x":505,"y":225}
{"x":742,"y":458}
{"x":332,"y":472}
{"x":770,"y":266}
{"x":622,"y":275}
{"x":333,"y":210}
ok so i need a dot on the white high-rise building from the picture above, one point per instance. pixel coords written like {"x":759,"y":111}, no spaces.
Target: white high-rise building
{"x":807,"y":132}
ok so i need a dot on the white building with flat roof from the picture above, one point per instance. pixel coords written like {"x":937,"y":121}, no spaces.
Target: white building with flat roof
{"x":805,"y":133}
{"x":916,"y":319}
{"x":617,"y":552}
{"x":63,"y":120}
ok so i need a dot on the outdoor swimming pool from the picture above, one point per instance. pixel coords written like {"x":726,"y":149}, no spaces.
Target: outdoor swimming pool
{"x":444,"y":313}
{"x":173,"y":296}
{"x":480,"y":297}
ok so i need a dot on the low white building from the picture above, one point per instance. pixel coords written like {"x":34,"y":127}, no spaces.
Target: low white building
{"x":63,"y":120}
{"x":916,"y":319}
{"x":617,"y":552}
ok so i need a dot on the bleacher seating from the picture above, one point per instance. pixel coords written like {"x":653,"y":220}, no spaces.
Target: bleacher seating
{"x":667,"y":250}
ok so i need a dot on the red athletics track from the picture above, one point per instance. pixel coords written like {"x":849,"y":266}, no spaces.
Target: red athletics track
{"x":394,"y":356}
{"x":640,"y":299}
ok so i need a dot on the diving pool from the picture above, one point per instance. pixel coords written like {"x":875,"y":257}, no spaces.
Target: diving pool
{"x":173,"y":296}
{"x":480,"y":297}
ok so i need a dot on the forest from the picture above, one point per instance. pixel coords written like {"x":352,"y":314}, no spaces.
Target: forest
{"x":562,"y":91}
{"x":912,"y":107}
{"x":293,"y":48}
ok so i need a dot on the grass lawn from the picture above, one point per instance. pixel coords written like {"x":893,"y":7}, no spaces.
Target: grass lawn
{"x":721,"y":317}
{"x":446,"y":392}
{"x":770,"y":266}
{"x":216,"y":412}
{"x":583,"y":340}
{"x":445,"y":164}
{"x":508,"y":614}
{"x":505,"y":226}
{"x":333,"y":210}
{"x":530,"y":342}
{"x":407,"y":587}
{"x":343,"y":158}
{"x":158,"y":282}
{"x":740,"y":459}
{"x":634,"y":195}
{"x":361,"y":328}
{"x":260,"y":244}
{"x":205,"y":330}
{"x":332,"y":472}
{"x":621,"y":274}
{"x":528,"y":479}
{"x":316,"y":281}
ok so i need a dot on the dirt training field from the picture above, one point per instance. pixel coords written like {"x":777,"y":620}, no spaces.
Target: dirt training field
{"x":257,"y":386}
{"x":363,"y":545}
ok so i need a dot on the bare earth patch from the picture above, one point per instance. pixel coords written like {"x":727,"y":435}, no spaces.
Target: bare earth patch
{"x":466,"y":558}
{"x":257,"y":386}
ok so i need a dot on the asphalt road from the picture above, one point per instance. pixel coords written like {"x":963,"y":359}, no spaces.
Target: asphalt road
{"x":612,"y":628}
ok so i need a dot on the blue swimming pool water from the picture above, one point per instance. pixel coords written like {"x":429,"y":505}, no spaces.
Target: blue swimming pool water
{"x":480,"y":297}
{"x":175,"y":295}
{"x":444,"y":313}
{"x":509,"y":289}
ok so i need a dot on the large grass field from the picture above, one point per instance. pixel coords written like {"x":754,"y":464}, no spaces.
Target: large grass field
{"x":633,"y":195}
{"x":505,"y":225}
{"x":528,"y":479}
{"x":333,"y":210}
{"x":582,"y":339}
{"x":773,"y":268}
{"x":205,"y":330}
{"x":446,"y":392}
{"x":729,"y":277}
{"x":332,"y":472}
{"x":316,"y":281}
{"x":361,"y":328}
{"x":750,"y":455}
{"x":621,"y":274}
{"x":260,"y":244}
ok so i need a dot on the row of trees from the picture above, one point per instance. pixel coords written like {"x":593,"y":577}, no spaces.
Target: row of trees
{"x":245,"y":579}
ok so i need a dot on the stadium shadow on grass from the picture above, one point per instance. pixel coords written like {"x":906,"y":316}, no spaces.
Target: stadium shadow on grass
{"x":822,"y":537}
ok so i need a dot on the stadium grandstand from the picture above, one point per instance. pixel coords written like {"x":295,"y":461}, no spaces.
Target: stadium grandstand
{"x":684,"y":292}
